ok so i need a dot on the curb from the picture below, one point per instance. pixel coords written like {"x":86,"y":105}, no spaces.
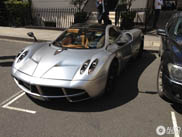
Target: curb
{"x":21,"y":39}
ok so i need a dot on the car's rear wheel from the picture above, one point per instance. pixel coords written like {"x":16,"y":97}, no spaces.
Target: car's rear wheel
{"x":111,"y":78}
{"x":160,"y":85}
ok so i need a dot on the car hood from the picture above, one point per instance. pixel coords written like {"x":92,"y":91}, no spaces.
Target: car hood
{"x":48,"y":61}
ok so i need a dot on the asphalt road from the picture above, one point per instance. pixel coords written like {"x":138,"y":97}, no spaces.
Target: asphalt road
{"x":132,"y":110}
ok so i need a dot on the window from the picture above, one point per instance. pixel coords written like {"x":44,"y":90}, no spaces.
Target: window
{"x":175,"y":30}
{"x":178,"y":28}
{"x":113,"y":35}
{"x":81,"y":38}
{"x":171,"y":26}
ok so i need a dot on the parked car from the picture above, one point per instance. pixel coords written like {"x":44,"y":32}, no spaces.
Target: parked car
{"x":81,"y":63}
{"x":169,"y":81}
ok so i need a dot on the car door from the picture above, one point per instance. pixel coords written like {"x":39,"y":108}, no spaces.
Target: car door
{"x":126,"y":48}
{"x":120,"y":43}
{"x":135,"y":44}
{"x":123,"y":42}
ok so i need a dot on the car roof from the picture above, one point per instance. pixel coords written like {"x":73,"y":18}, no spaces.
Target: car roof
{"x":89,"y":26}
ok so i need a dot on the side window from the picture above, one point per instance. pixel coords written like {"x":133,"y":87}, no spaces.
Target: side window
{"x":178,"y":28}
{"x":171,"y":27}
{"x":113,"y":35}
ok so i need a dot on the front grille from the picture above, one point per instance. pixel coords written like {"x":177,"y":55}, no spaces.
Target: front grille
{"x":80,"y":97}
{"x":34,"y":89}
{"x":55,"y":91}
{"x":51,"y":91}
{"x":24,"y":84}
{"x":70,"y":91}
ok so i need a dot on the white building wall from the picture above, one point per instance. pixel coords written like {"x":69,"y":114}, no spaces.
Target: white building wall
{"x":51,"y":4}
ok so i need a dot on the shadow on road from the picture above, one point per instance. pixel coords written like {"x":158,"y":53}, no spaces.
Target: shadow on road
{"x":177,"y":108}
{"x":126,"y":90}
{"x":7,"y":57}
{"x":6,"y":63}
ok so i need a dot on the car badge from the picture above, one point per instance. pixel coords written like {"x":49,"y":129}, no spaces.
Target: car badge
{"x":58,"y":51}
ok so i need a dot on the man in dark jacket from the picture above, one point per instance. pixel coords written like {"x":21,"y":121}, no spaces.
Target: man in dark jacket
{"x":103,"y":11}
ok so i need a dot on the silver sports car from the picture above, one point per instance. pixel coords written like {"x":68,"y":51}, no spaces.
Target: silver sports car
{"x":81,"y":63}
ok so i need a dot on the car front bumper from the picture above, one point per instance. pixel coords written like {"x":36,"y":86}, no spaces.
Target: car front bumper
{"x":73,"y":91}
{"x":172,"y":89}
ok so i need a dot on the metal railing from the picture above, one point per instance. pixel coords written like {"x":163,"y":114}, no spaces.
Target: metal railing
{"x":59,"y":18}
{"x":138,"y":19}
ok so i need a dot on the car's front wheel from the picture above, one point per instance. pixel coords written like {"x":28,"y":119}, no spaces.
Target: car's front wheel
{"x":141,"y":49}
{"x":111,"y":78}
{"x":160,"y":85}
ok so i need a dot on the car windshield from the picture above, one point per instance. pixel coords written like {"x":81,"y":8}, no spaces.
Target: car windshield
{"x":81,"y":39}
{"x":177,"y":34}
{"x":178,"y":28}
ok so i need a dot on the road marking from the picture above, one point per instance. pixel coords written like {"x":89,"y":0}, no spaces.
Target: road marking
{"x":175,"y":125}
{"x":11,"y":97}
{"x":20,"y":109}
{"x":14,"y":98}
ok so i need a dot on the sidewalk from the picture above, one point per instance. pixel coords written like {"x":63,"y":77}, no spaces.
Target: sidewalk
{"x":21,"y":34}
{"x":151,"y":41}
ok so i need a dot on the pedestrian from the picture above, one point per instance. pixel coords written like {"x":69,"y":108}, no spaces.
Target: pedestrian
{"x":103,"y":11}
{"x":157,"y":7}
{"x":120,"y":6}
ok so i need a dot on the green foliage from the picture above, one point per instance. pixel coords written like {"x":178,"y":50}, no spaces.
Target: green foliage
{"x":18,"y":12}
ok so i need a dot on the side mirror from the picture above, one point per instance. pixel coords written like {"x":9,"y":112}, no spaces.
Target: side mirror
{"x":161,"y":32}
{"x":31,"y":34}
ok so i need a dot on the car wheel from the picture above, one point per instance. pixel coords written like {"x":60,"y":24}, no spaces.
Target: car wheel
{"x":160,"y":85}
{"x":111,"y":78}
{"x":141,"y":49}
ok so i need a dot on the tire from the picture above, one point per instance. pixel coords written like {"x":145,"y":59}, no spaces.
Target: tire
{"x":111,"y":78}
{"x":160,"y":88}
{"x":141,"y":49}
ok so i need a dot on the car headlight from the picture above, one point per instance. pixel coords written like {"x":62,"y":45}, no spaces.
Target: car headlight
{"x":93,"y":65}
{"x":84,"y":66}
{"x":175,"y":72}
{"x":22,"y":55}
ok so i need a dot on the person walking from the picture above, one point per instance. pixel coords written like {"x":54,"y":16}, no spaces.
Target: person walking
{"x":120,"y":6}
{"x":158,"y":6}
{"x":103,"y":11}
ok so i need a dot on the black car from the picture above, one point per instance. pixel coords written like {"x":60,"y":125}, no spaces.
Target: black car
{"x":169,"y":80}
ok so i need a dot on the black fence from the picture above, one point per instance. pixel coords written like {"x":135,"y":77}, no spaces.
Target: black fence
{"x":145,"y":17}
{"x":138,"y":17}
{"x":3,"y":17}
{"x":59,"y":18}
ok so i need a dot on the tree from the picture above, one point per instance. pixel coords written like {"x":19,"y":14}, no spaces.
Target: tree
{"x":125,"y":3}
{"x":78,"y":4}
{"x":80,"y":16}
{"x":125,"y":13}
{"x":3,"y":13}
